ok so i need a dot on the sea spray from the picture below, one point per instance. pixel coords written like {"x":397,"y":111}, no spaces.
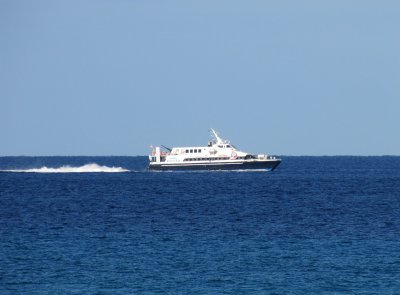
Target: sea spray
{"x":88,"y":168}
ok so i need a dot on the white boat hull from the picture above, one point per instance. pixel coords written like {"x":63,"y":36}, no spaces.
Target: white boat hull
{"x":213,"y":165}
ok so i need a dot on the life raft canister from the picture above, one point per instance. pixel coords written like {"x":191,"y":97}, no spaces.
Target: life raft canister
{"x":234,"y":156}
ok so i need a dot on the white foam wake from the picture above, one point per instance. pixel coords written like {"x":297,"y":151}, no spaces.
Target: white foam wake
{"x":69,"y":169}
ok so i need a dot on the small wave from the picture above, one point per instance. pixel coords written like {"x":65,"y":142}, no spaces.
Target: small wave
{"x":69,"y":169}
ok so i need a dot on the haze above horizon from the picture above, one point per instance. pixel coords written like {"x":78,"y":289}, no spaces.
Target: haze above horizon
{"x":112,"y":77}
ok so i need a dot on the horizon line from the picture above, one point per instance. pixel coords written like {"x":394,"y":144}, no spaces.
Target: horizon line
{"x":343,"y":155}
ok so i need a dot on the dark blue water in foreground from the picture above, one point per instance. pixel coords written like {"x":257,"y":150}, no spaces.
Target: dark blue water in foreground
{"x":316,"y":225}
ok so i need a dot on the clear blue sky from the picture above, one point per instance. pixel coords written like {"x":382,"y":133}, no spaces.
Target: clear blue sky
{"x":283,"y":77}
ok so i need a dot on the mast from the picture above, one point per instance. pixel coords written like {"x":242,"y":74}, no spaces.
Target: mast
{"x":218,"y":139}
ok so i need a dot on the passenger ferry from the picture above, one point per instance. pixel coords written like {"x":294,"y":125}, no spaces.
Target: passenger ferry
{"x":219,"y":154}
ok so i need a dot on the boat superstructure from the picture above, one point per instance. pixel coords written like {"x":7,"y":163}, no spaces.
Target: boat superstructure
{"x":219,"y":154}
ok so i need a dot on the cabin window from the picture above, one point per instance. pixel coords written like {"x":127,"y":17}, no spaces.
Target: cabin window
{"x":187,"y":151}
{"x":228,"y":146}
{"x":220,"y":146}
{"x":191,"y":151}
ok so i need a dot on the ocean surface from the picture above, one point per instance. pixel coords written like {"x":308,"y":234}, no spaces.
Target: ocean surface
{"x":105,"y":225}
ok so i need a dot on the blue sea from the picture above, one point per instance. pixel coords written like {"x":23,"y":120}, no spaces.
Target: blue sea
{"x":105,"y":225}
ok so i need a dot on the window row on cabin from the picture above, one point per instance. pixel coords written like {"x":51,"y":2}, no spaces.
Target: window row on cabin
{"x":193,"y":151}
{"x":205,"y":159}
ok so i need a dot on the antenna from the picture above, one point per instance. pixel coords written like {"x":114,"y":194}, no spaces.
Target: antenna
{"x":215,"y":135}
